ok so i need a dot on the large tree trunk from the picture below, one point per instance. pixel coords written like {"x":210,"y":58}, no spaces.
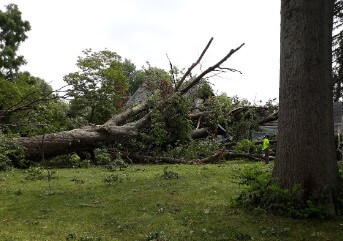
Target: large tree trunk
{"x":305,"y":150}
{"x":75,"y":140}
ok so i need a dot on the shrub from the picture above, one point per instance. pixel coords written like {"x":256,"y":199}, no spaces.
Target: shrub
{"x":245,"y":146}
{"x":112,"y":178}
{"x":260,"y":192}
{"x":169,"y":174}
{"x":155,"y":236}
{"x":10,"y":154}
{"x":64,"y":161}
{"x":102,"y":157}
{"x":35,"y":173}
{"x":195,"y":149}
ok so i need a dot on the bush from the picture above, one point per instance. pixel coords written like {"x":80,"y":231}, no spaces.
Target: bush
{"x":169,"y":174}
{"x":10,"y":154}
{"x":102,"y":157}
{"x":112,"y":178}
{"x":245,"y":146}
{"x":35,"y":173}
{"x":65,"y":161}
{"x":195,"y":149}
{"x":260,"y":192}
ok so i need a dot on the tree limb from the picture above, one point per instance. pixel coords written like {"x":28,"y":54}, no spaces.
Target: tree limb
{"x":209,"y":69}
{"x":188,"y":72}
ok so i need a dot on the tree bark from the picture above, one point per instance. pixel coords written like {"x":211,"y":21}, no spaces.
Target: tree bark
{"x":80,"y":139}
{"x":305,"y":148}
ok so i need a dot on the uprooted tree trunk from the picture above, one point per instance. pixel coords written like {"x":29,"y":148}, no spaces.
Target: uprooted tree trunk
{"x":115,"y":130}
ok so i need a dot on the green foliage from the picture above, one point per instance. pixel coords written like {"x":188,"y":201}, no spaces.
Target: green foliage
{"x":118,"y":162}
{"x":112,"y":178}
{"x":217,"y":113}
{"x":204,"y":90}
{"x":245,"y":146}
{"x":155,"y":236}
{"x":12,"y":34}
{"x":262,"y":193}
{"x":195,"y":149}
{"x":167,"y":174}
{"x":102,"y":157}
{"x":73,"y":237}
{"x":100,"y":87}
{"x":153,"y":78}
{"x":35,"y":173}
{"x":10,"y":154}
{"x":242,"y":125}
{"x":71,"y":160}
{"x":170,"y":122}
{"x":191,"y":208}
{"x":28,"y":107}
{"x":74,"y":158}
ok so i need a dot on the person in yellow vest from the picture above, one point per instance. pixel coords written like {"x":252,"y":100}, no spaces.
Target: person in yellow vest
{"x":265,"y":148}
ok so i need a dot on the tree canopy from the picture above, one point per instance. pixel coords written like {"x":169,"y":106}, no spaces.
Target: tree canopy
{"x":13,"y":33}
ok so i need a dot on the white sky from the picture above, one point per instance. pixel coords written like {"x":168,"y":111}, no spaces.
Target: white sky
{"x":145,"y":30}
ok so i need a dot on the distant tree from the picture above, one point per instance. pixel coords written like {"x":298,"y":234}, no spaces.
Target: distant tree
{"x":12,"y":34}
{"x":306,"y":152}
{"x":99,"y":88}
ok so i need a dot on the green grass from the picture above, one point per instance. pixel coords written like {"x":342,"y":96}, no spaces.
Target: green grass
{"x":142,"y":205}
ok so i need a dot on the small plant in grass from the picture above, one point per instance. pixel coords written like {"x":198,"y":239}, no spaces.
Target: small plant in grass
{"x":155,"y":236}
{"x":72,"y":236}
{"x":77,"y":180}
{"x":112,"y":178}
{"x":260,"y":192}
{"x":117,"y":163}
{"x":50,"y":176}
{"x":64,"y":161}
{"x":35,"y":173}
{"x":89,"y":239}
{"x":85,"y":163}
{"x":18,"y":192}
{"x":76,"y":161}
{"x":170,"y":174}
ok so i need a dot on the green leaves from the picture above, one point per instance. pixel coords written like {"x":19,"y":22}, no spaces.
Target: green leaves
{"x":12,"y":34}
{"x":28,"y":104}
{"x":99,"y":88}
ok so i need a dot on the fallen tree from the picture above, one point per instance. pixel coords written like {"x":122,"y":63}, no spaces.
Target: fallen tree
{"x":121,"y":127}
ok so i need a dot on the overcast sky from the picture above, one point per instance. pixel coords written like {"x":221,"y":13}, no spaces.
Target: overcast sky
{"x":145,"y":30}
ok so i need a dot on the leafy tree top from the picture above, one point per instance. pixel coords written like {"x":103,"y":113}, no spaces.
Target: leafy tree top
{"x":12,"y":34}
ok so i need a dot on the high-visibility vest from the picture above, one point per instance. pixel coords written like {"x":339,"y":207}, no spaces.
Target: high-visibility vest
{"x":265,"y":144}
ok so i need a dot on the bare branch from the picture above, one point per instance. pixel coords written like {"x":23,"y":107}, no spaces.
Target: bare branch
{"x":208,"y":70}
{"x":171,"y":70}
{"x":188,"y":72}
{"x":230,"y":69}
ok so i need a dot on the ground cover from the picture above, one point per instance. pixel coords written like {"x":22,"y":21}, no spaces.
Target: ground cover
{"x":142,"y":202}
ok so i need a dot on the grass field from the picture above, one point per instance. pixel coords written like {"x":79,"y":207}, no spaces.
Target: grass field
{"x":137,"y":203}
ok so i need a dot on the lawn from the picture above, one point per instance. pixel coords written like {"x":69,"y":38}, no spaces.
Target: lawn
{"x":138,"y":203}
